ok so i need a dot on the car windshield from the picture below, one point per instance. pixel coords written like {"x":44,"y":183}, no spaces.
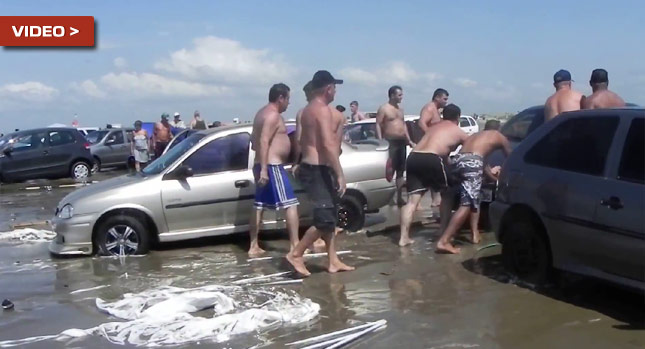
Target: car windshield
{"x":521,"y":125}
{"x":169,"y":158}
{"x":96,"y":136}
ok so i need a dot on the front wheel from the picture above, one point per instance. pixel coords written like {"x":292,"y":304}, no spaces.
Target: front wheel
{"x":80,"y":170}
{"x":122,"y":236}
{"x":526,"y":253}
{"x":351,"y":215}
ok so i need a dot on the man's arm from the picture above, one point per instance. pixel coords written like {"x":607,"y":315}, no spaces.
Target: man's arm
{"x":298,"y":150}
{"x":325,"y":127}
{"x":506,"y":146}
{"x":269,"y":128}
{"x":380,"y":115}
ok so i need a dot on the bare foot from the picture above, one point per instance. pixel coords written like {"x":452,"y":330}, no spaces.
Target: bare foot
{"x":319,"y":245}
{"x":256,"y":251}
{"x":298,"y":264}
{"x":476,"y":238}
{"x":405,"y":242}
{"x":436,"y":203}
{"x":339,"y":266}
{"x":447,"y":248}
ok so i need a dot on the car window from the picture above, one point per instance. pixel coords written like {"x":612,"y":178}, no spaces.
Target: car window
{"x":169,"y":158}
{"x":522,"y":124}
{"x":96,"y":136}
{"x":117,"y":136}
{"x":632,"y":162}
{"x":360,"y":132}
{"x":180,"y":137}
{"x":472,"y":121}
{"x":29,"y":141}
{"x":578,"y":145}
{"x":58,"y":138}
{"x":228,"y":153}
{"x":463,"y":122}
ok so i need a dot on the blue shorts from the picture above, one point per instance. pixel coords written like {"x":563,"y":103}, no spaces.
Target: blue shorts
{"x":277,"y":193}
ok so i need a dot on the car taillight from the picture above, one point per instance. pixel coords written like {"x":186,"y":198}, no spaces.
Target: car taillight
{"x":87,"y":146}
{"x":389,"y":170}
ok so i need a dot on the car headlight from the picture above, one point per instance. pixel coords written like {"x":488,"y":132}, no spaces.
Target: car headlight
{"x":66,"y":212}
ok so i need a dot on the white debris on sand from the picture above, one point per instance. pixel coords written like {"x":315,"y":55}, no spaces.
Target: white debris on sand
{"x":28,"y":234}
{"x":162,"y":316}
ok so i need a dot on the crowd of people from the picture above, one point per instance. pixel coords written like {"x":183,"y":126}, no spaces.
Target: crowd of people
{"x":319,"y":134}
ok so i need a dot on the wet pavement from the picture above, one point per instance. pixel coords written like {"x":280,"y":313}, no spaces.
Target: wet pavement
{"x":429,"y":300}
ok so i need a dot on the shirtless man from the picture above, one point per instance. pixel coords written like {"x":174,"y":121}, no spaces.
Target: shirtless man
{"x":356,"y":115}
{"x":320,"y":172}
{"x":429,"y":116}
{"x":427,"y":165}
{"x":161,"y":135}
{"x":601,"y":96}
{"x":390,"y":125}
{"x":469,"y":167}
{"x":564,"y":99}
{"x":272,"y":148}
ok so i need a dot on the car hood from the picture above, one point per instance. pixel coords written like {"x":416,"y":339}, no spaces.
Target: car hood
{"x":101,"y":188}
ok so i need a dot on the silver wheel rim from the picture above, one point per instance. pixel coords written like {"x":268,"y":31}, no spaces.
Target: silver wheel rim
{"x":121,"y":240}
{"x":81,"y":171}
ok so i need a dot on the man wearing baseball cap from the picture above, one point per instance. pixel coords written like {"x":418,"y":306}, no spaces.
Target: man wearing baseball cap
{"x":564,"y":99}
{"x":319,"y":172}
{"x":601,"y":96}
{"x":178,"y":122}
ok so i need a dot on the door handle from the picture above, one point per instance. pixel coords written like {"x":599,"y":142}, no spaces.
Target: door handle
{"x":613,"y":202}
{"x":242,"y":183}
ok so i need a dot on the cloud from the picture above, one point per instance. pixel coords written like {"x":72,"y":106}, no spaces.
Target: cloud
{"x":465,"y":82}
{"x":120,"y":63}
{"x":393,"y":73}
{"x":154,"y":85}
{"x":215,"y":59}
{"x":31,"y":91}
{"x":500,"y":93}
{"x":89,"y":88}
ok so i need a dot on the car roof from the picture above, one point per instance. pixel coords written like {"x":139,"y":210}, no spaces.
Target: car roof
{"x":22,"y":132}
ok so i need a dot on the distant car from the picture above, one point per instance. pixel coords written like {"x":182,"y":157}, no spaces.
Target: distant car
{"x":111,"y":147}
{"x":44,"y":153}
{"x":570,"y":197}
{"x":85,"y":130}
{"x":203,"y":186}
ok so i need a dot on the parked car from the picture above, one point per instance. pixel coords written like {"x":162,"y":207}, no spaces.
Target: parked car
{"x":570,"y":198}
{"x":110,"y":147}
{"x":44,"y":153}
{"x":203,"y":186}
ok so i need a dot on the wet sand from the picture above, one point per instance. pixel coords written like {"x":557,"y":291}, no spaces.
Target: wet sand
{"x":429,"y":300}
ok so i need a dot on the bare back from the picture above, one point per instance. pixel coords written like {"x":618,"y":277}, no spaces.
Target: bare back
{"x":561,"y":101}
{"x":311,"y":138}
{"x":339,"y":122}
{"x":429,"y":116}
{"x":269,"y":124}
{"x":441,"y":139}
{"x":602,"y":99}
{"x":485,"y":142}
{"x":390,"y":119}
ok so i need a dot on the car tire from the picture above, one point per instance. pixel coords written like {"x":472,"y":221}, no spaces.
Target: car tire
{"x":96,"y":168}
{"x":122,"y":235}
{"x":351,"y":214}
{"x":80,"y":170}
{"x":526,"y":253}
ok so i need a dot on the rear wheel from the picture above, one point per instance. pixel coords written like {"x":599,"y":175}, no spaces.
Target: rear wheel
{"x":122,"y":236}
{"x":351,"y":215}
{"x":526,"y":253}
{"x":81,"y":170}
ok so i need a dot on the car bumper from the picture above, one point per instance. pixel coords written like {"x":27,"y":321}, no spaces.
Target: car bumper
{"x":73,"y":236}
{"x":378,"y":193}
{"x":496,"y":212}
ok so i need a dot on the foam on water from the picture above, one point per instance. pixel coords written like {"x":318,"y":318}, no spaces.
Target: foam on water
{"x":28,"y":234}
{"x":163,"y":316}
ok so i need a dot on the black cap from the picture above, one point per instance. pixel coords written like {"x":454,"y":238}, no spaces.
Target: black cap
{"x":561,"y":75}
{"x":599,"y":76}
{"x":323,"y":78}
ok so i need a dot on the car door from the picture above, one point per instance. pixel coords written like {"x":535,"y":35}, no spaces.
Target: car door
{"x":219,"y":196}
{"x":27,"y":156}
{"x":564,"y":169}
{"x":620,"y":206}
{"x":61,"y":150}
{"x":116,"y":148}
{"x":464,"y":124}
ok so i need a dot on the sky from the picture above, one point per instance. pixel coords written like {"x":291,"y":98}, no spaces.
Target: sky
{"x":221,"y":57}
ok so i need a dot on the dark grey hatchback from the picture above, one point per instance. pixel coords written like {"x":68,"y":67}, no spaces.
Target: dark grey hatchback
{"x":44,"y":153}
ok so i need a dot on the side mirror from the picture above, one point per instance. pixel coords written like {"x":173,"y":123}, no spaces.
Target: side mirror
{"x":180,"y":173}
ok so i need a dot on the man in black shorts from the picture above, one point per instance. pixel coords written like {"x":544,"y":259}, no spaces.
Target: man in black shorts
{"x":427,"y":165}
{"x":320,"y":172}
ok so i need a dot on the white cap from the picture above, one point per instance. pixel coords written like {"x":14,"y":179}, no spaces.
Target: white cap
{"x":177,"y":113}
